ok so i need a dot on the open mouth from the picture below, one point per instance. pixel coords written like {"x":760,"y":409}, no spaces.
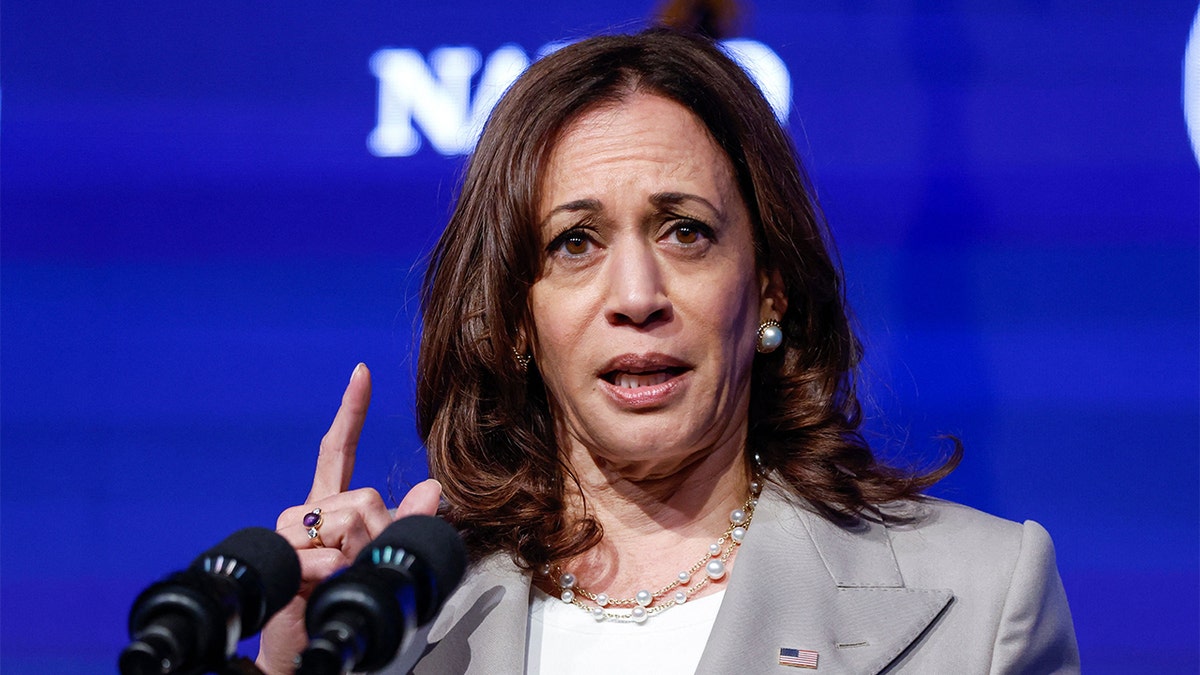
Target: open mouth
{"x":626,"y":379}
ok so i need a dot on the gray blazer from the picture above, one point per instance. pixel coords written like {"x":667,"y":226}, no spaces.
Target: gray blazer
{"x":957,"y":591}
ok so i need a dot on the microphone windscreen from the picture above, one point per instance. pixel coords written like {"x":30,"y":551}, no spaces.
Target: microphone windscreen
{"x":431,"y":540}
{"x":268,"y":554}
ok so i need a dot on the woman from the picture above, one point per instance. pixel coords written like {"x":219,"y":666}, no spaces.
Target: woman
{"x":636,"y":388}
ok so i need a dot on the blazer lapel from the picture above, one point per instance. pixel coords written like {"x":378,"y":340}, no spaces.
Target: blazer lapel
{"x":801,"y":582}
{"x":482,"y":627}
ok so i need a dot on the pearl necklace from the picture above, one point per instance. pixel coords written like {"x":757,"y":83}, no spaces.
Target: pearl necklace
{"x":645,"y":603}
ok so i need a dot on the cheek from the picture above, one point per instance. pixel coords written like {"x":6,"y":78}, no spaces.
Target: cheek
{"x":735,"y":312}
{"x":544,"y":325}
{"x":557,"y":325}
{"x":738,"y":343}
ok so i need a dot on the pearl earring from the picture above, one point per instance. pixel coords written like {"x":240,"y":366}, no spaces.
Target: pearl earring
{"x":770,"y":336}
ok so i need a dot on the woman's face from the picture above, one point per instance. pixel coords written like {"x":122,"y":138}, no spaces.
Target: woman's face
{"x":648,"y":300}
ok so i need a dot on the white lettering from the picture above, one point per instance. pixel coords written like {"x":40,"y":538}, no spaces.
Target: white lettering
{"x":436,"y":96}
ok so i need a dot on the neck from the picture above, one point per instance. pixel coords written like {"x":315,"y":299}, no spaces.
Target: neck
{"x":655,"y":525}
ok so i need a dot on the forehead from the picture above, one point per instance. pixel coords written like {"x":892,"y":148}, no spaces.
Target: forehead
{"x":621,"y":145}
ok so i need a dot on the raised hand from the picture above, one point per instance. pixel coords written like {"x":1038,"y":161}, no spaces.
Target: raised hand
{"x":348,"y":521}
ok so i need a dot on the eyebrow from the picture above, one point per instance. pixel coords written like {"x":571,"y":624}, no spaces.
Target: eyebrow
{"x":572,"y":207}
{"x":658,"y":199}
{"x":661,"y":199}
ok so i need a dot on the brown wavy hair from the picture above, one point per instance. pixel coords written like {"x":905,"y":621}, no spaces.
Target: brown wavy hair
{"x":485,"y":419}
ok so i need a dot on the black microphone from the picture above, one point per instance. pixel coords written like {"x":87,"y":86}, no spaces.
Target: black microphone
{"x":358,"y":618}
{"x":191,"y":621}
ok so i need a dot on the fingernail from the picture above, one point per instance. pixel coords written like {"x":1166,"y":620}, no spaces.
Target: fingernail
{"x":357,"y":370}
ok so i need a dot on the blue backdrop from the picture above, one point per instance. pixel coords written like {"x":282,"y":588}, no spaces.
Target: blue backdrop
{"x":198,"y":244}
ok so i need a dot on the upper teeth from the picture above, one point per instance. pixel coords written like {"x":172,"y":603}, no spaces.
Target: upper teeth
{"x":633,"y":380}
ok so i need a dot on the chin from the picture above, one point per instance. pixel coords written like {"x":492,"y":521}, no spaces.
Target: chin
{"x":648,"y":453}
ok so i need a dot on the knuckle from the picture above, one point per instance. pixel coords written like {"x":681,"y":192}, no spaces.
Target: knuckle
{"x":290,"y":516}
{"x":327,"y":444}
{"x":350,"y":521}
{"x":367,"y":499}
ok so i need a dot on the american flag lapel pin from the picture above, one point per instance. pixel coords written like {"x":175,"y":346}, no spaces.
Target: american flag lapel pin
{"x":797,"y":658}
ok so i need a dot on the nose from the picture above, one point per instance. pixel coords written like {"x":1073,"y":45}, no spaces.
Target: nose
{"x":636,"y":295}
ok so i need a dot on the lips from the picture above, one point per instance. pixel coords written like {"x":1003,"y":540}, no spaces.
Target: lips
{"x":641,"y":380}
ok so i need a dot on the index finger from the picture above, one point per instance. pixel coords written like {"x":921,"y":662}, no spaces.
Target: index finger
{"x":335,"y":461}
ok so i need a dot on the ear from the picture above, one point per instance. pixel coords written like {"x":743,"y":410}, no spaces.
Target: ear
{"x":772,"y":296}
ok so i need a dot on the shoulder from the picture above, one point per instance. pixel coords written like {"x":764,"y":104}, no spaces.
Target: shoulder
{"x":480,"y":629}
{"x":936,"y":527}
{"x":938,"y":542}
{"x":1005,"y":581}
{"x":1003,"y":609}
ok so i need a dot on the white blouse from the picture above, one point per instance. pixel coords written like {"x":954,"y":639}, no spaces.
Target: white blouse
{"x":562,"y":638}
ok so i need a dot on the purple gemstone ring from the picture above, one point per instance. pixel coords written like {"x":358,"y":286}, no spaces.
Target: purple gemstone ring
{"x":313,"y":520}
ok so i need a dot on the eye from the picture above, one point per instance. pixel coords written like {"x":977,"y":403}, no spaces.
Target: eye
{"x":573,"y":242}
{"x":686,"y":234}
{"x":690,"y":232}
{"x":576,"y":245}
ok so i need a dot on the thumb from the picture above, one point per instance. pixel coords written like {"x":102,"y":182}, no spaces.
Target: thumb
{"x":422,"y":499}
